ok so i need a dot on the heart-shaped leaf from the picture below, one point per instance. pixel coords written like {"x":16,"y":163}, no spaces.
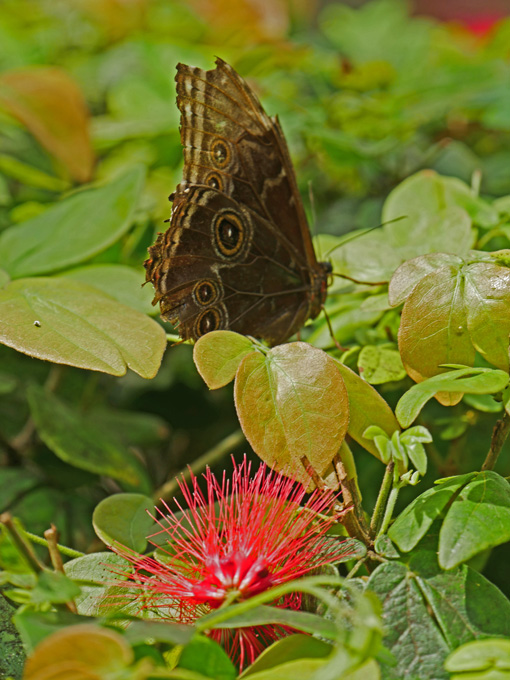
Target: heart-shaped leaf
{"x":291,"y":403}
{"x":217,"y":356}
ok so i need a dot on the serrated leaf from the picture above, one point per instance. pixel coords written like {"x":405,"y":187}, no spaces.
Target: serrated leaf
{"x":413,"y":523}
{"x":123,"y":518}
{"x":217,"y":356}
{"x":50,"y":104}
{"x":73,"y":230}
{"x":79,"y":326}
{"x":75,"y":441}
{"x":478,"y":519}
{"x":412,"y":634}
{"x":366,"y":408}
{"x":125,"y":284}
{"x":292,"y":402}
{"x":465,"y":380}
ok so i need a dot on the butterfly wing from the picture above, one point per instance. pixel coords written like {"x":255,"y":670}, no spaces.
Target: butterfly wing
{"x":238,"y":253}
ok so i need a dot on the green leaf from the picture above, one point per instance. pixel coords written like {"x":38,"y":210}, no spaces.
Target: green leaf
{"x":379,"y":364}
{"x":478,"y":519}
{"x":413,"y":271}
{"x":167,"y":631}
{"x":459,"y":600}
{"x":417,"y":518}
{"x":68,"y":322}
{"x":102,"y":568}
{"x":125,"y":284}
{"x":12,"y":654}
{"x":412,"y":635}
{"x":480,"y":660}
{"x":75,"y":441}
{"x":366,"y":408}
{"x":465,"y":380}
{"x":217,"y":356}
{"x":74,"y":230}
{"x":263,"y":615}
{"x":291,"y":403}
{"x":35,"y":626}
{"x":207,"y":657}
{"x":292,"y":648}
{"x":53,"y":586}
{"x":123,"y":518}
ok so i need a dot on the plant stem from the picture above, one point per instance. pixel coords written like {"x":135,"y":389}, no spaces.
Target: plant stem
{"x":499,"y":435}
{"x":353,"y":519}
{"x":21,"y":543}
{"x":68,"y":552}
{"x":390,"y":506}
{"x":382,"y":498}
{"x":51,"y":535}
{"x":169,"y":489}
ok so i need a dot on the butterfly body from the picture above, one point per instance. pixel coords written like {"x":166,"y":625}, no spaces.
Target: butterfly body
{"x":238,"y":253}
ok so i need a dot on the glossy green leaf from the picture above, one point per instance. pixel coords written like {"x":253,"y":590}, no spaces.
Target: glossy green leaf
{"x":414,"y":522}
{"x":366,"y":408}
{"x":68,"y":322}
{"x":74,"y":230}
{"x":75,"y":441}
{"x":465,"y":380}
{"x":478,"y":519}
{"x":292,"y":402}
{"x":413,"y":271}
{"x":206,"y":656}
{"x":379,"y":364}
{"x":217,"y":356}
{"x":124,"y":518}
{"x":481,"y":660}
{"x":412,"y":634}
{"x":292,"y":648}
{"x":125,"y":284}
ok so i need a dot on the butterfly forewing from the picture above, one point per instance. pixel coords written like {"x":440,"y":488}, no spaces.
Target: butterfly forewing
{"x":238,"y":253}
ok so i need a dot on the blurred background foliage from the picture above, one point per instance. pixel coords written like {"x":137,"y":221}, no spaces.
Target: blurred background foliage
{"x":367,"y":93}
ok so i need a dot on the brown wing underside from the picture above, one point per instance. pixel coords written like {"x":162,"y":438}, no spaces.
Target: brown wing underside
{"x":238,"y":252}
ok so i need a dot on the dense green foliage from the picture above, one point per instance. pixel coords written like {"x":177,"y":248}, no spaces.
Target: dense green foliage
{"x":391,"y":120}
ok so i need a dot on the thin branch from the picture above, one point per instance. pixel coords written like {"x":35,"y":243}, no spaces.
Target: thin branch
{"x":51,"y":535}
{"x":499,"y":435}
{"x":168,"y":490}
{"x":21,"y":543}
{"x":353,"y":519}
{"x":382,"y":499}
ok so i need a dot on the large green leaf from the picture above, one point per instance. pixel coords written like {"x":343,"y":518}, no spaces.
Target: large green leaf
{"x":73,"y":230}
{"x":478,"y":519}
{"x":75,"y":440}
{"x":68,"y":322}
{"x":291,"y":403}
{"x":125,"y":284}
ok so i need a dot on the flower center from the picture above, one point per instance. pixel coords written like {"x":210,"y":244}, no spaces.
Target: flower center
{"x":238,"y":572}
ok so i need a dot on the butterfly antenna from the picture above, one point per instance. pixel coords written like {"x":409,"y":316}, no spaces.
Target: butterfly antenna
{"x":330,"y":327}
{"x":353,"y":235}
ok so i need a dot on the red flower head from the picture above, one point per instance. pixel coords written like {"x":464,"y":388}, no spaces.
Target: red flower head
{"x":245,"y":536}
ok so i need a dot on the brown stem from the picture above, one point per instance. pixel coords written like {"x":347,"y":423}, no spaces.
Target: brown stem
{"x":51,"y":535}
{"x":21,"y":543}
{"x":499,"y":435}
{"x":353,"y":519}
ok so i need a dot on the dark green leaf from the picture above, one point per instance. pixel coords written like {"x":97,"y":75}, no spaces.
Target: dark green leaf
{"x":57,"y":238}
{"x":75,"y":440}
{"x":123,"y":518}
{"x":207,"y":657}
{"x":478,"y":519}
{"x":414,"y":522}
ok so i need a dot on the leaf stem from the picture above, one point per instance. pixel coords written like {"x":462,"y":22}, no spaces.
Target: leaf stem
{"x":353,"y":519}
{"x":499,"y":435}
{"x":170,"y":488}
{"x":21,"y":543}
{"x":390,"y":506}
{"x":68,"y":552}
{"x":382,"y":499}
{"x":51,"y":535}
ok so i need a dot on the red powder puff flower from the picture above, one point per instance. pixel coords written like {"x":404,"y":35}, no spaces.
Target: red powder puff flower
{"x":244,"y":536}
